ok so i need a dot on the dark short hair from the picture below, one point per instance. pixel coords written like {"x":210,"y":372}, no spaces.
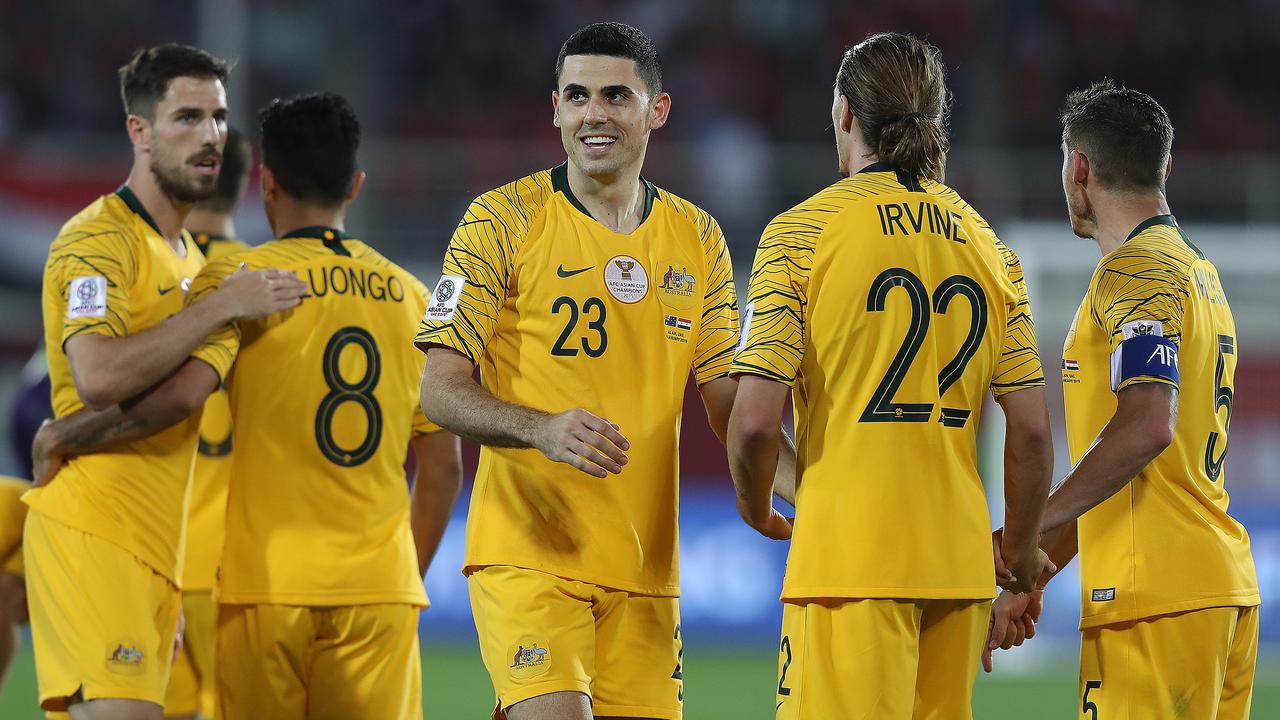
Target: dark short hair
{"x":237,"y":156}
{"x":615,"y":39}
{"x":146,"y":77}
{"x":1125,"y":134}
{"x":897,"y":89}
{"x":310,"y":142}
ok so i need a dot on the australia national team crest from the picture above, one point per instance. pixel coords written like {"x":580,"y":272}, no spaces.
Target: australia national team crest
{"x":678,"y":286}
{"x":125,"y":658}
{"x":529,"y":659}
{"x":626,"y":279}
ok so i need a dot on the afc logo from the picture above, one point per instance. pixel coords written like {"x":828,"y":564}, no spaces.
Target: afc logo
{"x":1166,"y":355}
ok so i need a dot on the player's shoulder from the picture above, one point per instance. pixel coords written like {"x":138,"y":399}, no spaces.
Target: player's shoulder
{"x":802,"y":224}
{"x":216,"y":246}
{"x":948,"y":195}
{"x":514,"y":204}
{"x":105,"y":222}
{"x":700,"y":222}
{"x":1156,"y":251}
{"x":366,"y":255}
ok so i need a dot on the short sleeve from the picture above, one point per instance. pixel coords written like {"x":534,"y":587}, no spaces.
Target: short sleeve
{"x":462,"y":310}
{"x":718,"y":329}
{"x":219,"y":349}
{"x":1019,"y":364}
{"x":93,"y":270}
{"x":774,"y":336}
{"x":1138,"y":299}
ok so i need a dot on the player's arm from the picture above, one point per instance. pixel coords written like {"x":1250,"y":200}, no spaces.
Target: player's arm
{"x":754,"y":443}
{"x":452,"y":399}
{"x":1028,"y":467}
{"x":437,"y":480}
{"x":111,"y":369}
{"x":1141,"y":428}
{"x":86,"y":430}
{"x":718,"y":397}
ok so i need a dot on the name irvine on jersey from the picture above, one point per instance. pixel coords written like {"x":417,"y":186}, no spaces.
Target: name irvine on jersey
{"x":919,"y":217}
{"x":345,"y":280}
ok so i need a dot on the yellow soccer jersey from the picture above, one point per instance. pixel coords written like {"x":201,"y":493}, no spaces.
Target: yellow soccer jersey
{"x":560,"y":312}
{"x":891,"y":309}
{"x":110,"y":272}
{"x":207,"y":507}
{"x":1164,"y":543}
{"x":324,"y":401}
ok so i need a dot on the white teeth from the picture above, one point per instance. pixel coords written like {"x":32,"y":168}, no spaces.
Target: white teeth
{"x":598,"y":140}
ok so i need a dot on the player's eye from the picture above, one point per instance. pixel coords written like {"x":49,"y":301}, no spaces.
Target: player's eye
{"x":577,"y":95}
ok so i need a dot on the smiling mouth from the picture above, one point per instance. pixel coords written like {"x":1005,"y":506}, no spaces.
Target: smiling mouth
{"x":598,"y":142}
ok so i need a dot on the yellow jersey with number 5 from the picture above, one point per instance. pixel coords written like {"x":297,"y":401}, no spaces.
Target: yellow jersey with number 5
{"x":560,"y":312}
{"x":1155,"y":311}
{"x":892,"y":309}
{"x":324,"y":400}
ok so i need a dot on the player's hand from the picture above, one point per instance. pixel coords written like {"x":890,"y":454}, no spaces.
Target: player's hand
{"x":589,"y":443}
{"x":252,"y":294}
{"x":1003,"y":576}
{"x":772,"y":524}
{"x":1030,"y":574}
{"x":1011,"y":623}
{"x":45,"y":461}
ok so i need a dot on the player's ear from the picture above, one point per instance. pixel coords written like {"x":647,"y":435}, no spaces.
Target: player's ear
{"x":555,"y":108}
{"x":1168,"y":167}
{"x":659,"y":111}
{"x":844,"y":115}
{"x":267,"y":183}
{"x":1080,"y":168}
{"x":356,"y":183}
{"x":139,"y":131}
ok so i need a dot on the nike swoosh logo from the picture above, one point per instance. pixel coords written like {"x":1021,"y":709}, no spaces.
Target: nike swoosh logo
{"x":570,"y":273}
{"x":165,"y":291}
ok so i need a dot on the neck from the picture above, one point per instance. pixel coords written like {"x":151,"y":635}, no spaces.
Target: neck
{"x":1118,"y":215}
{"x":170,"y":215}
{"x":859,"y":155}
{"x":291,"y":215}
{"x":615,"y":201}
{"x":211,"y":222}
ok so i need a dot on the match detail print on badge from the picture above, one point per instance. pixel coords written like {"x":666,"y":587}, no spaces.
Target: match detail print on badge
{"x":626,"y":279}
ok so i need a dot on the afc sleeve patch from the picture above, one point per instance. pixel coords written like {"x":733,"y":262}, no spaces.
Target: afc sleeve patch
{"x":444,"y":301}
{"x":1139,"y":328}
{"x":1148,"y":356}
{"x":746,"y":326}
{"x":87,"y":297}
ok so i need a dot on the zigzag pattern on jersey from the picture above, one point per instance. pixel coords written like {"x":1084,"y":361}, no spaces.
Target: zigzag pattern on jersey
{"x":98,"y":241}
{"x":1148,"y":278}
{"x":715,"y":352}
{"x":483,"y":250}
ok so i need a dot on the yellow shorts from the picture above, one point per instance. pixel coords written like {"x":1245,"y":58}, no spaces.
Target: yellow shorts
{"x":102,"y":621}
{"x":541,"y":634}
{"x":190,"y":688}
{"x":286,"y":661}
{"x":13,"y":513}
{"x":879,"y":659}
{"x":1196,"y":664}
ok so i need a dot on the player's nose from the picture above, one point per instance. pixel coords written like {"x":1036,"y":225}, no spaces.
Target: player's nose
{"x":596,"y":112}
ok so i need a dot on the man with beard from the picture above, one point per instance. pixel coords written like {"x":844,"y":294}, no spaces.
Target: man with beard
{"x":103,"y":542}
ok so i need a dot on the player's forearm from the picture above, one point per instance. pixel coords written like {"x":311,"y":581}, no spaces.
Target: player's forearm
{"x":784,"y":478}
{"x":753,"y":463}
{"x":110,"y":370}
{"x":1111,"y":463}
{"x":461,"y":406}
{"x":1028,"y":469}
{"x":435,"y":490}
{"x":428,"y":519}
{"x":1060,"y":544}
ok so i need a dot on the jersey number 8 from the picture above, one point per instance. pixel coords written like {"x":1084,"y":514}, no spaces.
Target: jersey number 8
{"x":341,"y":392}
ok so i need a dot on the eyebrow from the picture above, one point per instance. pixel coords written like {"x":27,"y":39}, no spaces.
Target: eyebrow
{"x":198,"y":110}
{"x":620,"y":89}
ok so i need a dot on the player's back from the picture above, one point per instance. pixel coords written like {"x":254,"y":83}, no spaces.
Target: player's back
{"x":1165,"y":542}
{"x":324,"y":402}
{"x":907,"y":314}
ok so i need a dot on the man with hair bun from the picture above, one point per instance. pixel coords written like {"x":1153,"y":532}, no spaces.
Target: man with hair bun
{"x":890,"y":308}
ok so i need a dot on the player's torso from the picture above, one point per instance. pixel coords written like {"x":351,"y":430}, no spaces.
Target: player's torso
{"x":206,"y":508}
{"x":323,"y":398}
{"x":609,"y":323}
{"x":140,"y":485}
{"x":907,"y":309}
{"x":1165,"y":541}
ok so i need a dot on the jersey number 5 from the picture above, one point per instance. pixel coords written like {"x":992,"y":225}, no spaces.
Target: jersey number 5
{"x":882,"y":407}
{"x":1222,"y":397}
{"x":341,"y":391}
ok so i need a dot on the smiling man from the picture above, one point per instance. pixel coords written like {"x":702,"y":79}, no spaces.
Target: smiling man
{"x":102,"y":543}
{"x":587,"y":296}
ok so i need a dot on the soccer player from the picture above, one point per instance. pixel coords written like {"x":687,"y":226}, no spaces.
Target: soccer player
{"x":1148,"y":378}
{"x":191,"y":688}
{"x":587,"y":296}
{"x":889,"y":308}
{"x":320,"y":580}
{"x":102,"y":544}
